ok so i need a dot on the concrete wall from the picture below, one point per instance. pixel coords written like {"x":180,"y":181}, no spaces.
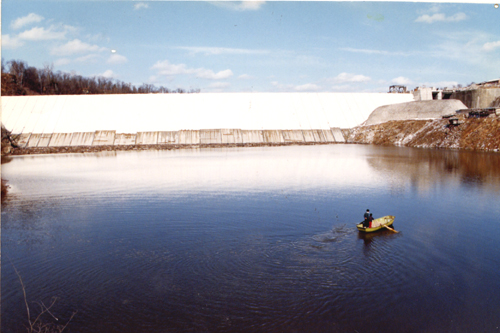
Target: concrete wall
{"x":136,"y":113}
{"x":185,"y":137}
{"x":477,"y":98}
{"x":104,"y":138}
{"x":338,"y":135}
{"x":184,"y":119}
{"x":146,"y":138}
{"x":82,"y":139}
{"x":122,"y":139}
{"x":422,"y":94}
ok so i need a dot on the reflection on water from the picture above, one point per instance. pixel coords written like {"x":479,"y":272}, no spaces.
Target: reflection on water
{"x":255,"y":239}
{"x":184,"y":172}
{"x":423,"y":169}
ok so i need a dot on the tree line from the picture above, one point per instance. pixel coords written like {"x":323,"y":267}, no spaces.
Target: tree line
{"x":20,"y":79}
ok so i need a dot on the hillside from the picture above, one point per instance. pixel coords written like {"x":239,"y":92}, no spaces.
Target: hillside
{"x":472,"y":134}
{"x":20,"y":79}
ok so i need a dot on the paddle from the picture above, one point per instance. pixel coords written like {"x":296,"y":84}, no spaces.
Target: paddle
{"x":390,"y":228}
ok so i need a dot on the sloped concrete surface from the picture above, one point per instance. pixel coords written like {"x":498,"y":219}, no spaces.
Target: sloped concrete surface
{"x":434,"y":109}
{"x":293,"y":136}
{"x":83,"y":139}
{"x":44,"y":140}
{"x":147,"y":138}
{"x":104,"y":138}
{"x":135,"y":113}
{"x":167,"y":137}
{"x":122,"y":139}
{"x":60,"y":139}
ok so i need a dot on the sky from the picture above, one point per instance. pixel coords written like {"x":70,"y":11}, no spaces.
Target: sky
{"x":263,"y":46}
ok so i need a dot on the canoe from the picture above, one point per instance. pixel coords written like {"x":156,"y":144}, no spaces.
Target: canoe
{"x":377,"y":224}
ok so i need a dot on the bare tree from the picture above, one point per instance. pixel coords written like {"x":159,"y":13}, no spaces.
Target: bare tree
{"x":36,"y":324}
{"x":27,"y":80}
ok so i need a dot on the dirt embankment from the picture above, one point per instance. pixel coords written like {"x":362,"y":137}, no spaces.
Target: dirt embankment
{"x":472,"y":134}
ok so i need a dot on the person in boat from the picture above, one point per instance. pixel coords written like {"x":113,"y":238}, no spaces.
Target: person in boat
{"x":366,"y":222}
{"x":370,"y":220}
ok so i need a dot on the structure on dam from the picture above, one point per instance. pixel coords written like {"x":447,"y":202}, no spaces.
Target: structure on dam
{"x":476,"y":95}
{"x":211,"y":118}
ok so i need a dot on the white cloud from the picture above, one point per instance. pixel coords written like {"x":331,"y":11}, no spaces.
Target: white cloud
{"x":88,"y":58}
{"x":347,"y":77}
{"x":368,"y":51}
{"x":11,"y":42}
{"x":251,"y":5}
{"x":439,"y":17}
{"x":307,"y":87}
{"x":107,"y":74}
{"x":466,"y":47}
{"x":25,"y":20}
{"x":401,"y":80}
{"x":245,"y":77}
{"x":140,"y":5}
{"x":168,"y":69}
{"x":76,"y":46}
{"x":40,"y":33}
{"x":211,"y":75}
{"x":116,"y":59}
{"x":219,"y":50}
{"x":491,"y":46}
{"x":239,"y":5}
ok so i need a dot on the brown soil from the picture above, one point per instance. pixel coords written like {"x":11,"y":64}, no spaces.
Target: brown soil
{"x":472,"y":134}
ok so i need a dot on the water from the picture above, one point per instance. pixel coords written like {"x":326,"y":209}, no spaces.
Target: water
{"x":254,"y":240}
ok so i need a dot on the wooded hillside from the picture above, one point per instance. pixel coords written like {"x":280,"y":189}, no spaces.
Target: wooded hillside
{"x":20,"y":79}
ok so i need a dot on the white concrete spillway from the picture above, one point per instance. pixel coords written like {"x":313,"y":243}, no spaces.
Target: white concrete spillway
{"x":211,"y":118}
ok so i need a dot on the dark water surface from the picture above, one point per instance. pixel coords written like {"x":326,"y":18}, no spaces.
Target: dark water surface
{"x":254,"y":240}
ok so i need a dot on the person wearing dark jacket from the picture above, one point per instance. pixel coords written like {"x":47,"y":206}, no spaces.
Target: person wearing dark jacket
{"x":366,"y":222}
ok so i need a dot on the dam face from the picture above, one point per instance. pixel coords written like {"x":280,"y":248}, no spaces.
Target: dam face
{"x":150,"y":119}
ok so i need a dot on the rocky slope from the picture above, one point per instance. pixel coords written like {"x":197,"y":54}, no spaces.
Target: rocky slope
{"x":472,"y":134}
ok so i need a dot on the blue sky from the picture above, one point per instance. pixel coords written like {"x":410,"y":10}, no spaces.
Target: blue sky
{"x":269,"y":46}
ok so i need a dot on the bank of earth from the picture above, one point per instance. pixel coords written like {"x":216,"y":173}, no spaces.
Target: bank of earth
{"x":478,"y":134}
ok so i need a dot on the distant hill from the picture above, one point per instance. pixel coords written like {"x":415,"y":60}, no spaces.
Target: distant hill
{"x":19,"y":79}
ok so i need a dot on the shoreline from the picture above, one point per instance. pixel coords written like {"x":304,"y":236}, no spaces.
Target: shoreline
{"x":96,"y":149}
{"x":476,"y":134}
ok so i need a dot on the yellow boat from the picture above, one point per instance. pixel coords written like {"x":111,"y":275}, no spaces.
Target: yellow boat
{"x":377,"y":224}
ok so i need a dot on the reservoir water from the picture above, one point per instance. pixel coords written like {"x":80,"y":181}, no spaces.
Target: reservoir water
{"x":253,"y":240}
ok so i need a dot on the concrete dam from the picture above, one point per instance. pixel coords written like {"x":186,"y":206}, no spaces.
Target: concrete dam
{"x":188,"y":119}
